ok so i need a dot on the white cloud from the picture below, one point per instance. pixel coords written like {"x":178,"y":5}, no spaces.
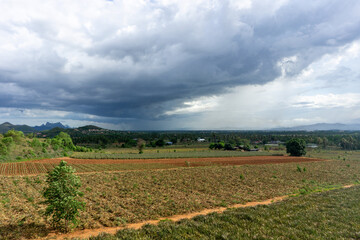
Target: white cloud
{"x":203,"y":104}
{"x":348,"y":100}
{"x":315,"y":95}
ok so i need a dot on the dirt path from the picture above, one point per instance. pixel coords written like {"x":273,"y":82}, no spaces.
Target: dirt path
{"x":87,"y":233}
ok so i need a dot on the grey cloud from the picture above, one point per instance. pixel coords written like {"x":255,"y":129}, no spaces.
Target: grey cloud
{"x":179,"y":58}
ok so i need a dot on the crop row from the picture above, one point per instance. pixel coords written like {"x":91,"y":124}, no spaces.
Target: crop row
{"x":25,"y":168}
{"x":28,"y":168}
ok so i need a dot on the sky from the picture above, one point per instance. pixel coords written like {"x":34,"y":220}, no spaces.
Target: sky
{"x":180,"y":65}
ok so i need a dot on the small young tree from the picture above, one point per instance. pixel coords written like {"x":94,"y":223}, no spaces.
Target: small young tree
{"x":141,"y":145}
{"x":62,"y":197}
{"x":296,"y":147}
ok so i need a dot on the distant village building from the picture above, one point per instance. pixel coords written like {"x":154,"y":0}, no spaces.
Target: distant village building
{"x":169,"y":143}
{"x":201,"y":140}
{"x":276,"y":142}
{"x":272,"y":144}
{"x":311,"y":145}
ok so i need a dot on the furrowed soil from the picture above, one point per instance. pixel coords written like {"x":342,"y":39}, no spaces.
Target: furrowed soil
{"x":327,"y":215}
{"x":94,"y":165}
{"x":85,"y":234}
{"x":119,"y":198}
{"x":182,"y":161}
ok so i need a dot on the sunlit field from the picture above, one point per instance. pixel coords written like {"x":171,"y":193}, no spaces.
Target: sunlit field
{"x":118,"y":198}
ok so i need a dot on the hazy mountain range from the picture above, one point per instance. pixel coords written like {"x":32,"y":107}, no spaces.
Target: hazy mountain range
{"x":6,"y":126}
{"x":322,"y":127}
{"x":48,"y":126}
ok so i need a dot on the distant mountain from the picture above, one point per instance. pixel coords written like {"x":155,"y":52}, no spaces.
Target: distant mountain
{"x":90,"y":127}
{"x":49,"y":126}
{"x":6,"y":126}
{"x":322,"y":127}
{"x":75,"y":132}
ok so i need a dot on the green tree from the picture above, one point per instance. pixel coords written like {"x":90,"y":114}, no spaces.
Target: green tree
{"x":296,"y":147}
{"x":3,"y":149}
{"x":62,"y":197}
{"x":17,"y":136}
{"x":35,"y":143}
{"x":160,"y":143}
{"x":228,"y":146}
{"x":66,"y":141}
{"x":247,"y":147}
{"x":8,"y":141}
{"x":140,"y":145}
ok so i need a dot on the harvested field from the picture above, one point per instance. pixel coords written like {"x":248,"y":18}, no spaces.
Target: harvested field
{"x":97,"y":165}
{"x":336,"y":217}
{"x":119,"y":198}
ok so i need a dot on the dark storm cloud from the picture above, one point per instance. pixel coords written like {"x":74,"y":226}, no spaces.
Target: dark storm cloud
{"x":143,"y":63}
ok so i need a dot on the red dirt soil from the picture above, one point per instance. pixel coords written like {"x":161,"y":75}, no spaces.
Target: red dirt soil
{"x":35,"y":167}
{"x":192,"y":161}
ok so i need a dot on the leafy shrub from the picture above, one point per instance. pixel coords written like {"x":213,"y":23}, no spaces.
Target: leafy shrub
{"x":228,"y":147}
{"x":8,"y":141}
{"x":17,"y":136}
{"x":35,"y":143}
{"x":3,"y":149}
{"x":62,"y":197}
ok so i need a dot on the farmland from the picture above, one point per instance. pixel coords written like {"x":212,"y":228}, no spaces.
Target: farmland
{"x":98,"y":165}
{"x":117,"y":198}
{"x":294,"y":218}
{"x":122,"y":185}
{"x":168,"y":153}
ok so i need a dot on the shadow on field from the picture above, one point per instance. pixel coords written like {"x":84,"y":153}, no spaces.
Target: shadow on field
{"x":23,"y":231}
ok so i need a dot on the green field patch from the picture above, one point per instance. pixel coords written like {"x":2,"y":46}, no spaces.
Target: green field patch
{"x":170,"y":154}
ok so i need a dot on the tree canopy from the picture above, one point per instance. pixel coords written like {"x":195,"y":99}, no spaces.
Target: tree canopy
{"x":296,"y":147}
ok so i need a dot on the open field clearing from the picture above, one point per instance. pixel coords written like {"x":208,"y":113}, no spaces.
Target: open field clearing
{"x":117,"y":198}
{"x":334,"y":154}
{"x":169,"y":153}
{"x":328,"y":215}
{"x":98,"y":165}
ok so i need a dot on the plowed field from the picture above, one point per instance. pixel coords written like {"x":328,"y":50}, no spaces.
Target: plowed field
{"x":95,"y":165}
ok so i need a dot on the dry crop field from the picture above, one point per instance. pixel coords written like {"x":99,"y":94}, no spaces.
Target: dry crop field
{"x":118,"y":198}
{"x":97,"y":165}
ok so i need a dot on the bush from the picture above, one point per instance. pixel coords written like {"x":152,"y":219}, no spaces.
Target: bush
{"x":62,"y":197}
{"x":3,"y":149}
{"x":160,"y":143}
{"x":8,"y":141}
{"x":296,"y":147}
{"x":140,"y":145}
{"x":219,"y":145}
{"x":66,"y":141}
{"x":35,"y":143}
{"x":17,"y":136}
{"x":247,"y":147}
{"x":228,"y":147}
